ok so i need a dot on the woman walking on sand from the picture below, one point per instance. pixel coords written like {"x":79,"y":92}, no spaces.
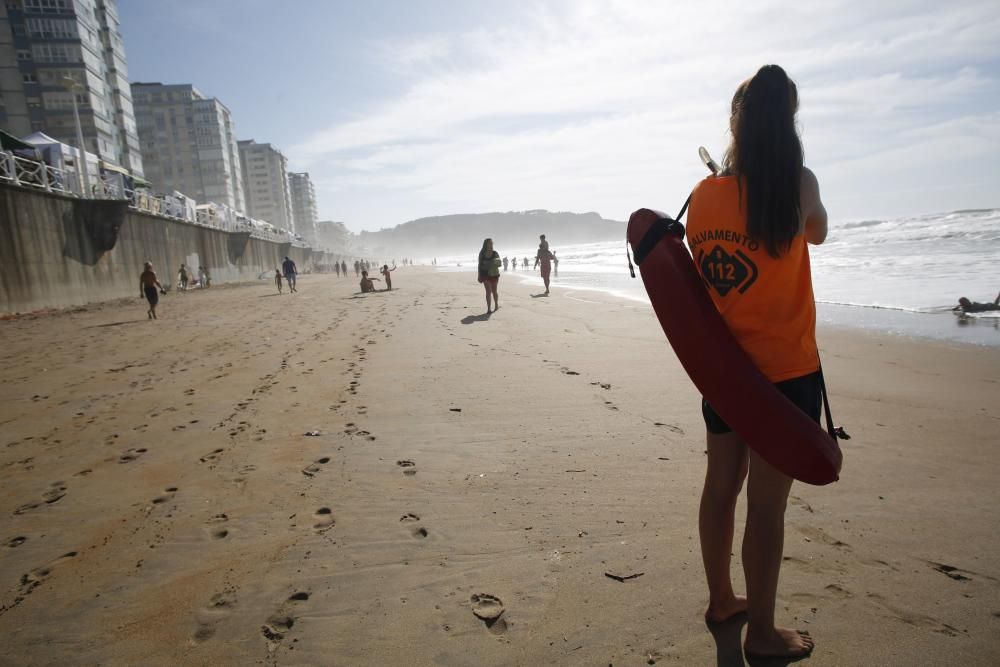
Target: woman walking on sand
{"x":489,"y":273}
{"x":764,"y":208}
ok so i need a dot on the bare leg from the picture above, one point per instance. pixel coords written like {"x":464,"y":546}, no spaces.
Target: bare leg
{"x":489,"y":304}
{"x":763,"y":541}
{"x":727,"y":468}
{"x":496,"y":299}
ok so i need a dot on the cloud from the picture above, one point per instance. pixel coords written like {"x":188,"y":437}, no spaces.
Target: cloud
{"x":601,"y":106}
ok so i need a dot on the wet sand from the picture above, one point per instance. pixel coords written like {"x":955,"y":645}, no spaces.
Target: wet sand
{"x":162,"y":503}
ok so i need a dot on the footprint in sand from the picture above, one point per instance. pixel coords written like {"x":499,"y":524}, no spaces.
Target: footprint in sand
{"x":489,"y":609}
{"x":419,"y":532}
{"x":15,"y":542}
{"x":408,"y":467}
{"x":670,"y":427}
{"x":315,"y":466}
{"x":280,"y":622}
{"x":53,"y":494}
{"x":33,"y":579}
{"x":410,"y":516}
{"x":131,"y":454}
{"x":167,"y":494}
{"x":216,"y":529}
{"x":212,"y":456}
{"x":208,"y":617}
{"x":324,"y":520}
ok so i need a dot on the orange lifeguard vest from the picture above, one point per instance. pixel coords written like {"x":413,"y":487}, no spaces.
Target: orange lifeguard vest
{"x":767,"y":303}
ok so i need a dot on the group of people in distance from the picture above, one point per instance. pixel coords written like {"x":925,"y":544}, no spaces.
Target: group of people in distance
{"x":490,"y":264}
{"x":184,"y":281}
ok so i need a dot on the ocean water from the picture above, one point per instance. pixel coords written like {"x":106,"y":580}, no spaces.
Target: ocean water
{"x":897,"y":275}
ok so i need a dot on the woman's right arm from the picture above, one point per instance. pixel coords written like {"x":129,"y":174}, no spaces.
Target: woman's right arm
{"x":813,"y":211}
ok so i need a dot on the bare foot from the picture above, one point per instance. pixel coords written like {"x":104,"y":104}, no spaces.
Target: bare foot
{"x":725,"y":610}
{"x":779,"y":643}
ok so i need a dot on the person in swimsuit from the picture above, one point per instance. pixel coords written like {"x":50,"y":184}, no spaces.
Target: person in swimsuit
{"x":749,"y":230}
{"x":277,"y":279}
{"x":148,"y":286}
{"x":388,"y":278}
{"x":966,"y":306}
{"x":367,"y":284}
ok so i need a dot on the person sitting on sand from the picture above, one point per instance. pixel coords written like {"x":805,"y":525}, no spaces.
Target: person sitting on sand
{"x":148,"y":284}
{"x":967,"y":306}
{"x":388,"y":279}
{"x":366,"y":283}
{"x":766,"y":194}
{"x":277,"y":279}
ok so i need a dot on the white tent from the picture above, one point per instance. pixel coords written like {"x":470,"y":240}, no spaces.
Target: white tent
{"x":62,"y":156}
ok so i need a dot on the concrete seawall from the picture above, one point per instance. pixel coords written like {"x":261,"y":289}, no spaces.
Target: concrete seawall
{"x":56,"y":251}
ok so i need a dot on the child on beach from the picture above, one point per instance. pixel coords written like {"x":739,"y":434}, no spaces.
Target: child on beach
{"x":366,"y":283}
{"x":148,"y":284}
{"x":388,"y":279}
{"x":763,"y":209}
{"x":277,"y":279}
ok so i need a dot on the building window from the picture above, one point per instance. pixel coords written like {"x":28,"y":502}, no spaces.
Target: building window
{"x":29,"y":78}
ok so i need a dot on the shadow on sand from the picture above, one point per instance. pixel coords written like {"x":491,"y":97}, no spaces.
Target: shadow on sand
{"x":114,"y":324}
{"x":469,"y":319}
{"x":542,"y":294}
{"x":729,"y":646}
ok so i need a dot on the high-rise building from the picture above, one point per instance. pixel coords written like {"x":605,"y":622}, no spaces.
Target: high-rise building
{"x":45,"y":43}
{"x":189,"y":142}
{"x":303,"y":205}
{"x":265,"y":181}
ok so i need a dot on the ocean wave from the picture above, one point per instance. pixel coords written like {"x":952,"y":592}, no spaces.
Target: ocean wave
{"x":930,"y":310}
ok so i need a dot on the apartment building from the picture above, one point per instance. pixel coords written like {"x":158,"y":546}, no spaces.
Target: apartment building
{"x":303,"y":205}
{"x":265,"y":181}
{"x":51,"y":50}
{"x":189,"y":143}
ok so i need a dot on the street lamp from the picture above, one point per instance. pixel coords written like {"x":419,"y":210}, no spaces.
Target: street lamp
{"x":71,"y":85}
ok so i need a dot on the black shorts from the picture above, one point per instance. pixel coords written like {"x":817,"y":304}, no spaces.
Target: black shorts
{"x":152,"y":296}
{"x":803,"y":391}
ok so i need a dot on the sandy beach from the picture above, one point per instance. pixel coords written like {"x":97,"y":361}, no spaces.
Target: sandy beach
{"x":335,"y":479}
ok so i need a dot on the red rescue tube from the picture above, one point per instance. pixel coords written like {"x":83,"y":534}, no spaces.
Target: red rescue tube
{"x":762,"y":416}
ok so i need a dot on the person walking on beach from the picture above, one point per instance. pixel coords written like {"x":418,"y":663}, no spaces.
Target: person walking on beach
{"x":289,"y":268}
{"x":336,"y":267}
{"x":505,"y":262}
{"x":148,"y":286}
{"x":762,"y":210}
{"x":544,"y":259}
{"x":489,"y":274}
{"x":277,"y":279}
{"x":343,"y":268}
{"x":182,"y":277}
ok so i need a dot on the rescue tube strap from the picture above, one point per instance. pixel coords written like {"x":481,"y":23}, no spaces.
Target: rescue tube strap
{"x":655,"y":234}
{"x":839,"y":431}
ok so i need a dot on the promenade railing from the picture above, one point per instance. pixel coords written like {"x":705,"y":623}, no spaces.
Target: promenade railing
{"x":35,"y":175}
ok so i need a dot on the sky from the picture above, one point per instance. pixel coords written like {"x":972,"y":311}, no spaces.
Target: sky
{"x":405,"y":109}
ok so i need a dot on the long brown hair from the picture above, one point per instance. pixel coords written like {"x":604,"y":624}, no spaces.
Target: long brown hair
{"x":482,"y":252}
{"x":766,"y":155}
